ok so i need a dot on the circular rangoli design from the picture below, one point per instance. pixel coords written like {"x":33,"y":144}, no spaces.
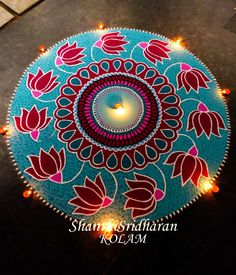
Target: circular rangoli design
{"x":118,"y":123}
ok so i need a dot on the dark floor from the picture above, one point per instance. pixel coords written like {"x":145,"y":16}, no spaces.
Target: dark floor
{"x":33,"y":239}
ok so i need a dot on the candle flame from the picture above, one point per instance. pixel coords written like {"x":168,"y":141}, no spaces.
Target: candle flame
{"x":107,"y":229}
{"x":226,"y":92}
{"x":208,"y":186}
{"x":27,"y":193}
{"x":178,"y":42}
{"x":6,"y":130}
{"x":119,"y":109}
{"x":101,"y":26}
{"x":42,"y":49}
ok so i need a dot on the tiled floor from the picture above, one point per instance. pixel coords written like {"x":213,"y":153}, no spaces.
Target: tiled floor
{"x":5,"y":16}
{"x":9,"y":8}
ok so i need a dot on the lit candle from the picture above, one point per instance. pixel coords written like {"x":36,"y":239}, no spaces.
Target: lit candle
{"x":119,"y":109}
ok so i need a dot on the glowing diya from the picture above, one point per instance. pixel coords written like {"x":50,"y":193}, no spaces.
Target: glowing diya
{"x":119,"y":124}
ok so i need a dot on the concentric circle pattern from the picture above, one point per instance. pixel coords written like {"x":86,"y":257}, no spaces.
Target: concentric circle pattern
{"x":148,"y":125}
{"x":118,"y":124}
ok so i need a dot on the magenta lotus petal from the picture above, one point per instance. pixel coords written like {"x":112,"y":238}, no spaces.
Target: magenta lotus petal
{"x":57,"y":177}
{"x":47,"y":166}
{"x":69,"y":55}
{"x":188,"y":165}
{"x":112,"y":43}
{"x":185,"y":67}
{"x":41,"y":83}
{"x":98,"y":44}
{"x":193,"y":151}
{"x":143,"y":45}
{"x":205,"y":121}
{"x":35,"y":135}
{"x":91,"y":197}
{"x":142,"y":196}
{"x":155,"y":50}
{"x":106,"y":202}
{"x":59,"y":61}
{"x":32,"y":121}
{"x":191,"y":78}
{"x":36,"y":94}
{"x":159,"y":194}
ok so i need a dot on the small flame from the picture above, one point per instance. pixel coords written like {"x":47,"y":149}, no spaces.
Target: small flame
{"x":208,"y":186}
{"x":27,"y":193}
{"x":178,"y":42}
{"x":107,"y":229}
{"x":42,"y":48}
{"x":101,"y":26}
{"x":225,"y":92}
{"x":119,"y":109}
{"x":6,"y":130}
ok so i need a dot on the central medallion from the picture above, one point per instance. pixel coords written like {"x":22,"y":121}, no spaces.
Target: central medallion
{"x":118,"y":114}
{"x":118,"y":111}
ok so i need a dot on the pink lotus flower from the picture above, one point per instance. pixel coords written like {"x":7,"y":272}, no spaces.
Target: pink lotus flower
{"x":69,"y":55}
{"x":32,"y":121}
{"x":91,"y":197}
{"x":142,"y":196}
{"x":191,"y":78}
{"x":205,"y":121}
{"x":155,"y":50}
{"x":47,"y":166}
{"x":111,"y":43}
{"x":41,"y":83}
{"x":188,"y":165}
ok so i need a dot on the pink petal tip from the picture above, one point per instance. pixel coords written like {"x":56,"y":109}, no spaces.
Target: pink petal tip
{"x":59,"y":61}
{"x":185,"y":67}
{"x":35,"y":135}
{"x":98,"y":44}
{"x":202,"y":107}
{"x":143,"y":45}
{"x":159,"y":194}
{"x":107,"y":201}
{"x":193,"y":151}
{"x":57,"y":177}
{"x":36,"y":94}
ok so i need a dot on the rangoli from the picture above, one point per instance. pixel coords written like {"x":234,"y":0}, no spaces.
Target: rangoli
{"x":118,"y":123}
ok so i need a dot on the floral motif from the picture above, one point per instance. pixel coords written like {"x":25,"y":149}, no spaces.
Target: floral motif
{"x":155,"y":50}
{"x":112,"y":43}
{"x":32,"y":121}
{"x":69,"y":55}
{"x":47,"y":166}
{"x":91,"y":197}
{"x":113,"y":105}
{"x":105,"y":148}
{"x":142,"y":196}
{"x":205,"y":121}
{"x":41,"y":83}
{"x":191,"y":78}
{"x":188,"y":165}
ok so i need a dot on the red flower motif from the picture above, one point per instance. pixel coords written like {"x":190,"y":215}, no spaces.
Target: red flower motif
{"x":47,"y":166}
{"x":69,"y":55}
{"x":112,"y":43}
{"x":155,"y":50}
{"x":91,"y":197}
{"x":140,"y":153}
{"x":191,"y":78}
{"x":188,"y":165}
{"x":205,"y":121}
{"x":142,"y":196}
{"x":41,"y":83}
{"x":32,"y":121}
